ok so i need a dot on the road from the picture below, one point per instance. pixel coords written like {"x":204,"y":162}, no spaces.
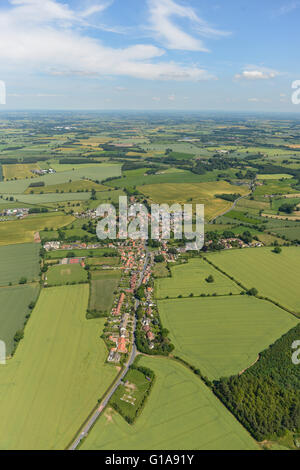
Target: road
{"x":89,"y":424}
{"x":230,"y":209}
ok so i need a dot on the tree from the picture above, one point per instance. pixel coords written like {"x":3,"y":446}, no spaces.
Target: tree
{"x":252,"y":291}
{"x":277,"y":250}
{"x":210,"y":279}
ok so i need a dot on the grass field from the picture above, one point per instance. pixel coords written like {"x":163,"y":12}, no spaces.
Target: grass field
{"x":181,"y":413}
{"x":65,"y":274}
{"x":44,"y":199}
{"x":191,"y":278}
{"x":70,"y":187}
{"x":128,"y":397}
{"x":22,"y":231}
{"x":103,"y":261}
{"x":19,"y":261}
{"x":59,"y":254}
{"x":275,"y":187}
{"x":19,"y":171}
{"x":14,"y":308}
{"x":102,"y":290}
{"x":274,"y":276}
{"x":160,"y":270}
{"x":223,"y":335}
{"x":57,"y":375}
{"x":274,"y":177}
{"x":197,"y":193}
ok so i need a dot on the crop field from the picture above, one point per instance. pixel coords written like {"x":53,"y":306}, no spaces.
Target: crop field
{"x":274,"y":276}
{"x":44,"y":402}
{"x":102,"y":291}
{"x":99,"y":173}
{"x":275,"y":187}
{"x":19,"y":261}
{"x":224,"y":335}
{"x":180,"y":413}
{"x":19,"y":171}
{"x":291,"y":233}
{"x":44,"y":199}
{"x":65,"y":274}
{"x":191,"y":278}
{"x":139,"y":178}
{"x":22,"y":231}
{"x":274,"y":177}
{"x":197,"y":193}
{"x":93,"y":252}
{"x":14,"y":308}
{"x":243,"y":217}
{"x":71,"y":187}
{"x":101,"y":274}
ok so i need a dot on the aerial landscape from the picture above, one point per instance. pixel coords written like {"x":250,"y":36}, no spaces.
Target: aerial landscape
{"x":145,"y":343}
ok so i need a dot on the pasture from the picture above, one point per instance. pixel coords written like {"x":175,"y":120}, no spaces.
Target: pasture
{"x":194,"y":193}
{"x":14,"y":308}
{"x":274,"y":177}
{"x":22,"y":231}
{"x":103,"y":285}
{"x":65,"y":274}
{"x":57,"y":375}
{"x":180,"y":413}
{"x":274,"y":276}
{"x":190,"y":278}
{"x":80,"y":253}
{"x":223,"y":335}
{"x":19,"y":261}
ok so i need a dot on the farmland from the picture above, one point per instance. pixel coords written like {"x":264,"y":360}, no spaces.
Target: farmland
{"x":70,"y":187}
{"x":14,"y":308}
{"x":223,"y":335}
{"x":22,"y":231}
{"x":19,"y":261}
{"x":19,"y":171}
{"x":180,"y":413}
{"x":80,"y":253}
{"x":65,"y":274}
{"x":191,"y":278}
{"x":103,"y":285}
{"x":194,"y":193}
{"x":48,"y":388}
{"x":274,"y":276}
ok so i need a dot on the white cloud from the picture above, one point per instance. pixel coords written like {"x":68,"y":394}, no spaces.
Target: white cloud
{"x":171,"y":35}
{"x":172,"y":97}
{"x":43,"y":36}
{"x":256,"y":73}
{"x":288,"y":7}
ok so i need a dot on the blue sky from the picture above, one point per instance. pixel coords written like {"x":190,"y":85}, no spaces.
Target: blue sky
{"x":150,"y":54}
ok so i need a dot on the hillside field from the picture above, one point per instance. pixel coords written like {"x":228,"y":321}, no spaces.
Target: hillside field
{"x":180,"y":413}
{"x":223,"y":335}
{"x":57,"y":375}
{"x":19,"y":261}
{"x":274,"y":276}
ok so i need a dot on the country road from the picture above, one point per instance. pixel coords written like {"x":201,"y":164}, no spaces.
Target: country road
{"x":230,"y":209}
{"x":89,"y":424}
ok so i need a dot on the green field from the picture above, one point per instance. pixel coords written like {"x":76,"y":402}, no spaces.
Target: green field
{"x":274,"y":276}
{"x":72,"y":187}
{"x":60,"y":254}
{"x":57,"y":375}
{"x":65,"y":274}
{"x":14,"y":308}
{"x":222,"y":336}
{"x":103,"y":261}
{"x":180,"y":413}
{"x":275,"y":187}
{"x":191,"y":278}
{"x":274,"y":177}
{"x":22,"y":231}
{"x":19,"y":261}
{"x":103,"y":285}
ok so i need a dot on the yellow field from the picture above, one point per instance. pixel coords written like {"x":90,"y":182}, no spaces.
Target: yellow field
{"x":194,"y":193}
{"x":19,"y":170}
{"x":22,"y":231}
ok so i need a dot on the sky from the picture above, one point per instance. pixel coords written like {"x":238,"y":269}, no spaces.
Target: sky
{"x":200,"y":55}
